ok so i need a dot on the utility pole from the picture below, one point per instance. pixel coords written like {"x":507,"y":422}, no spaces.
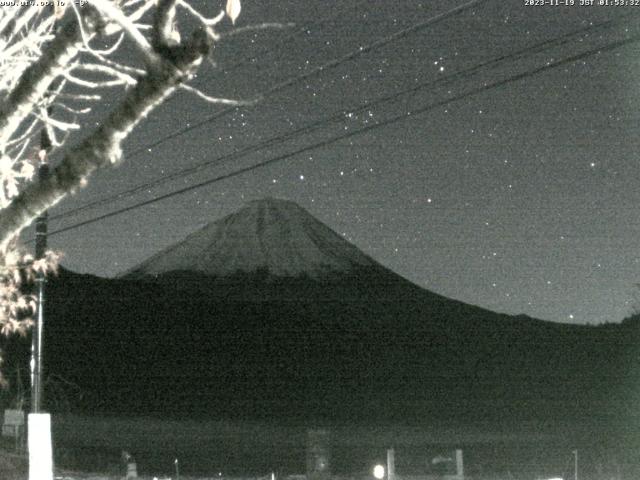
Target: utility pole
{"x":37,"y":338}
{"x":39,"y":424}
{"x":575,"y":464}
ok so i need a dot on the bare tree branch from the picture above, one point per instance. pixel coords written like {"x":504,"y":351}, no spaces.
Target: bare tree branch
{"x":110,"y":11}
{"x":259,"y":26}
{"x":36,"y":79}
{"x":103,"y":147}
{"x":47,"y":59}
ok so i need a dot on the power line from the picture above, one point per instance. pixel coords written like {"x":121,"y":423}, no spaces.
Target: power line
{"x":339,"y":115}
{"x":363,"y":130}
{"x":232,"y":67}
{"x":322,"y":68}
{"x":319,"y":69}
{"x":389,"y":121}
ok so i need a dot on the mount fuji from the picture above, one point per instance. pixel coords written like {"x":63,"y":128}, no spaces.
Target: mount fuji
{"x":269,"y":313}
{"x":270,"y":235}
{"x":271,"y":250}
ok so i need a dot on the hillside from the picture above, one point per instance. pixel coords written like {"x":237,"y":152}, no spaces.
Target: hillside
{"x":342,"y":339}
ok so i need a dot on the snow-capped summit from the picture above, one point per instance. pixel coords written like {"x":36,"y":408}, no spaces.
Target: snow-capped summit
{"x":271,"y":235}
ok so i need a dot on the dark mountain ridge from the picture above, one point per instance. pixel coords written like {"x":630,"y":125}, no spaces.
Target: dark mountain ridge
{"x":340,"y":340}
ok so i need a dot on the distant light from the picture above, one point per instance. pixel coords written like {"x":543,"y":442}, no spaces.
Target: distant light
{"x":378,"y":472}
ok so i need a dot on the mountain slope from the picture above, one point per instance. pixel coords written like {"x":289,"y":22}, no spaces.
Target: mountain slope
{"x":154,"y":348}
{"x":218,"y":326}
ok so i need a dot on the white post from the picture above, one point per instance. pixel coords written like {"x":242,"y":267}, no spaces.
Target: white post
{"x":132,"y":470}
{"x":459,"y":464}
{"x":391,"y":464}
{"x":40,"y":451}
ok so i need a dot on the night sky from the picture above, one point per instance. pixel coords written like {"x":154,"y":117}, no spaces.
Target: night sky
{"x":521,"y":197}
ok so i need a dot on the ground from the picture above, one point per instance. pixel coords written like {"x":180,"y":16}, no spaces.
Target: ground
{"x":12,"y":466}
